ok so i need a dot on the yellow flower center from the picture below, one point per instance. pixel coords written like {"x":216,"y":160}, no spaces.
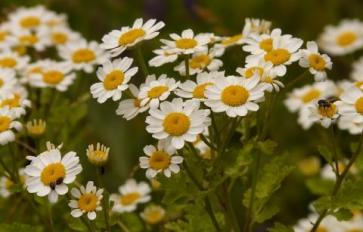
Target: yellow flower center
{"x":113,"y":80}
{"x":358,"y":84}
{"x":8,"y":62}
{"x":231,"y":40}
{"x":28,"y":39}
{"x":250,"y":71}
{"x":83,"y":55}
{"x":346,"y":38}
{"x":131,"y":36}
{"x":8,"y":184}
{"x":359,"y":105}
{"x":11,"y":102}
{"x":317,"y":62}
{"x":200,"y":62}
{"x":310,"y":95}
{"x":4,"y":123}
{"x":153,"y":216}
{"x":88,"y":202}
{"x":277,"y":56}
{"x":53,"y":174}
{"x":198,"y":91}
{"x":3,"y":35}
{"x":1,"y":82}
{"x":157,"y":91}
{"x":327,"y":111}
{"x":30,"y":21}
{"x":159,"y":160}
{"x":137,"y":103}
{"x":268,"y":79}
{"x":53,"y":77}
{"x":266,"y":44}
{"x":36,"y":128}
{"x":21,"y":50}
{"x":235,"y":95}
{"x":59,"y":37}
{"x":176,"y":124}
{"x":186,"y":43}
{"x":321,"y":229}
{"x":129,"y":198}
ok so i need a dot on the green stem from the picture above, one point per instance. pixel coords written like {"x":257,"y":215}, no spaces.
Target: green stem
{"x":122,"y":226}
{"x":208,"y":205}
{"x":186,"y":63}
{"x":230,"y":211}
{"x":50,"y":217}
{"x":141,"y":61}
{"x":339,"y":182}
{"x":105,"y":201}
{"x":87,"y":224}
{"x":335,"y":153}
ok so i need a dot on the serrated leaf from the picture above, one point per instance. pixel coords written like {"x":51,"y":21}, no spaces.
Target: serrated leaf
{"x":320,"y":186}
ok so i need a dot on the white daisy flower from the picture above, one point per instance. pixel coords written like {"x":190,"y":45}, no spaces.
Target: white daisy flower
{"x":114,"y":77}
{"x":8,"y":125}
{"x":33,"y":68}
{"x":87,"y":201}
{"x":58,"y":75}
{"x":117,"y":41}
{"x":131,"y":194}
{"x":324,"y":111}
{"x":153,"y":214}
{"x":177,"y":122}
{"x":235,"y":95}
{"x":82,"y":55}
{"x":329,"y":223}
{"x":60,"y":36}
{"x":156,"y":90}
{"x":130,"y":108}
{"x":7,"y":39}
{"x":7,"y":80}
{"x":160,"y":159}
{"x":27,"y":18}
{"x":52,"y":20}
{"x":7,"y":184}
{"x":49,"y":173}
{"x":342,"y":39}
{"x":284,"y":52}
{"x":15,"y":102}
{"x":316,"y":62}
{"x":199,"y":62}
{"x":186,"y":43}
{"x":196,"y":90}
{"x":357,"y":70}
{"x":12,"y":60}
{"x":304,"y":96}
{"x":351,"y":109}
{"x":163,"y":56}
{"x":37,"y":39}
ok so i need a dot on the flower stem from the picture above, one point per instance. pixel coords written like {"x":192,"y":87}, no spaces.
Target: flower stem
{"x":50,"y":217}
{"x":141,"y":61}
{"x":122,"y":226}
{"x":87,"y":224}
{"x":105,"y":200}
{"x":339,"y":182}
{"x":186,"y":63}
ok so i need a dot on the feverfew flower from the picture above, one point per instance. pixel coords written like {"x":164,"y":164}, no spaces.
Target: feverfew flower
{"x":7,"y":79}
{"x":15,"y":102}
{"x":36,"y":128}
{"x":186,"y":43}
{"x":177,"y":122}
{"x":11,"y":60}
{"x":153,"y":214}
{"x":256,"y":27}
{"x":58,"y":75}
{"x":131,"y":194}
{"x":87,"y":201}
{"x":130,"y":108}
{"x":117,"y":41}
{"x":155,"y":90}
{"x":49,"y":173}
{"x":97,"y":155}
{"x":28,"y":18}
{"x":342,"y":39}
{"x":160,"y":159}
{"x":82,"y":55}
{"x":316,"y":62}
{"x":114,"y":77}
{"x":324,"y":111}
{"x":6,"y":184}
{"x":8,"y":125}
{"x":164,"y":55}
{"x":235,"y":95}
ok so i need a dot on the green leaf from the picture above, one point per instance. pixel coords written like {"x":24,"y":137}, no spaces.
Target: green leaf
{"x":343,"y":214}
{"x":326,"y":153}
{"x":267,"y":147}
{"x":278,"y":227}
{"x":320,"y":186}
{"x":17,"y":227}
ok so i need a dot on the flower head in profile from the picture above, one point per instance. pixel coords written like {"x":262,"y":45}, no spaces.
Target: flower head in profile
{"x":344,"y":38}
{"x":130,"y":108}
{"x":36,"y":127}
{"x":316,"y":62}
{"x":153,"y":214}
{"x":186,"y":43}
{"x":114,"y":77}
{"x":87,"y":200}
{"x":15,"y":101}
{"x":235,"y":95}
{"x":97,"y":155}
{"x":177,"y":122}
{"x":117,"y":41}
{"x":131,"y":194}
{"x":163,"y":56}
{"x":160,"y":159}
{"x":49,"y":173}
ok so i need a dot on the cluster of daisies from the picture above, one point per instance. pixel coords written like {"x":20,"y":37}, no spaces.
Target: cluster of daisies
{"x":328,"y":102}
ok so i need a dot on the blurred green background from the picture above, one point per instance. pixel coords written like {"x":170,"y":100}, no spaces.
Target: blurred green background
{"x":302,"y":18}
